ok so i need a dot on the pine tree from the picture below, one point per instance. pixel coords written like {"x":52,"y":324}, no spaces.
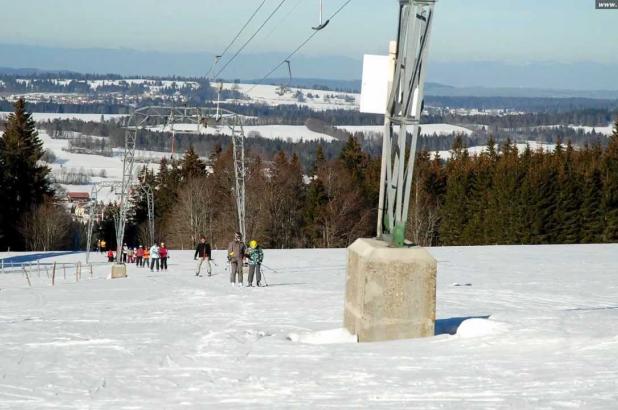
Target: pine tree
{"x":591,"y":208}
{"x":354,"y":159}
{"x":320,"y":158}
{"x":481,"y":185}
{"x":569,"y":200}
{"x":610,"y":188}
{"x":454,"y":212}
{"x":191,"y":165}
{"x":23,"y":181}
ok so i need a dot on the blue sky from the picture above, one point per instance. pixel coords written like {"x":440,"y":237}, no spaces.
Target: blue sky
{"x":516,"y":31}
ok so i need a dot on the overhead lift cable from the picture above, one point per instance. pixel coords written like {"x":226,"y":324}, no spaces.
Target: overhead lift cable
{"x":250,"y":38}
{"x":293,"y":53}
{"x":220,"y":56}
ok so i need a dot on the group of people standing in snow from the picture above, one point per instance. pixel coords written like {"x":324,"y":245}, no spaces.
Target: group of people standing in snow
{"x":154,"y":257}
{"x":239,"y":255}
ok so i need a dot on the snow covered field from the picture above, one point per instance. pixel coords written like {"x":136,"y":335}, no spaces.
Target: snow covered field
{"x":542,"y":332}
{"x":323,"y":100}
{"x":607,"y":130}
{"x":295,"y":133}
{"x":110,"y":167}
{"x":50,"y":116}
{"x":534,"y":146}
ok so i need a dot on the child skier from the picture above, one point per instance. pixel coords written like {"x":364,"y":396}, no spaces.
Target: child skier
{"x":146,"y":257}
{"x":110,"y":255}
{"x":204,"y":253}
{"x":256,"y":256}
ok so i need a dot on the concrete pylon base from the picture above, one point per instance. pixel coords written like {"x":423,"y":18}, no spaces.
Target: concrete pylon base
{"x":119,"y":271}
{"x":390,"y":292}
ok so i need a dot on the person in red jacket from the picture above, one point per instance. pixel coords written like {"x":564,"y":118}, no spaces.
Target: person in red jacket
{"x":163,"y":253}
{"x":110,"y":255}
{"x":139,"y":256}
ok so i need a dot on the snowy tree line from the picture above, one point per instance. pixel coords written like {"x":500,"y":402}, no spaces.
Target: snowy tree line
{"x":506,"y":196}
{"x":502,"y":196}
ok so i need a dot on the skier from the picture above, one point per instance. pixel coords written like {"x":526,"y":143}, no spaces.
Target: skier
{"x":139,"y":256}
{"x":110,"y":255}
{"x":154,"y":257}
{"x":125,"y":250}
{"x":256,"y":256}
{"x":130,"y":253}
{"x":236,"y":256}
{"x":204,"y":253}
{"x":163,"y":253}
{"x":146,"y":262}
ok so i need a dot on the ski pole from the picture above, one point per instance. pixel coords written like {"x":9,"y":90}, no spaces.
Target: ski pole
{"x":270,"y":269}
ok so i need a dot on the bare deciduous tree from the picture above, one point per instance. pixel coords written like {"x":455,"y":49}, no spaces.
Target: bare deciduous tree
{"x":46,"y":227}
{"x":193,"y":214}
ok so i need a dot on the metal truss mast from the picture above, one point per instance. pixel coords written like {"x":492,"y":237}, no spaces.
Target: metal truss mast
{"x":403,"y":114}
{"x":163,"y":118}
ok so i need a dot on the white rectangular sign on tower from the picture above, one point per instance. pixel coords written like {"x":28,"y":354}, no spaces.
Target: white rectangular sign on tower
{"x":375,"y":85}
{"x":378,"y":72}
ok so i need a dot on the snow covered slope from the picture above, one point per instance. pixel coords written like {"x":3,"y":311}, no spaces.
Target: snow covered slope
{"x":315,"y":99}
{"x":541,"y":332}
{"x":101,"y":168}
{"x":294,"y":133}
{"x":50,"y":116}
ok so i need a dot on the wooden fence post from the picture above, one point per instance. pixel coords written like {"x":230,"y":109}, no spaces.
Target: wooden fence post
{"x":27,"y":277}
{"x":91,"y":273}
{"x":54,"y":275}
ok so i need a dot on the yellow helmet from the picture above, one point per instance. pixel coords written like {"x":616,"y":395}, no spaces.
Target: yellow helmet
{"x":253,"y":244}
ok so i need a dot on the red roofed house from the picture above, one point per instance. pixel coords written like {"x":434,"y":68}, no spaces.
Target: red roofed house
{"x":80,"y":198}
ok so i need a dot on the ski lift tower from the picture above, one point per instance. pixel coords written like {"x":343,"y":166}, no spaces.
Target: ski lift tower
{"x":141,"y":119}
{"x":391,"y":287}
{"x":94,"y":201}
{"x":155,"y":117}
{"x":403,"y":114}
{"x":149,"y":194}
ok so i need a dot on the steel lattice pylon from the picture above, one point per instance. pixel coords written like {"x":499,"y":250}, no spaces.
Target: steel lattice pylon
{"x":160,"y":118}
{"x":94,"y":200}
{"x":149,"y":194}
{"x":403,"y":114}
{"x":238,"y":144}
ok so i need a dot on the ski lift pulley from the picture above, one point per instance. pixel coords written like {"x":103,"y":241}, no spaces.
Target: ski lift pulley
{"x":322,"y":23}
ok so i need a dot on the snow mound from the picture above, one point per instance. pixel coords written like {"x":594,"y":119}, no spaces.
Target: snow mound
{"x":324,"y":337}
{"x":481,"y":328}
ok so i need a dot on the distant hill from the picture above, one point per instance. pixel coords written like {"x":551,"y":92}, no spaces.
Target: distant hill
{"x":20,"y":71}
{"x":444,"y":90}
{"x":471,"y":77}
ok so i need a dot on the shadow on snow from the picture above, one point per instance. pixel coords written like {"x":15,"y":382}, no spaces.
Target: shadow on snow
{"x":449,"y":326}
